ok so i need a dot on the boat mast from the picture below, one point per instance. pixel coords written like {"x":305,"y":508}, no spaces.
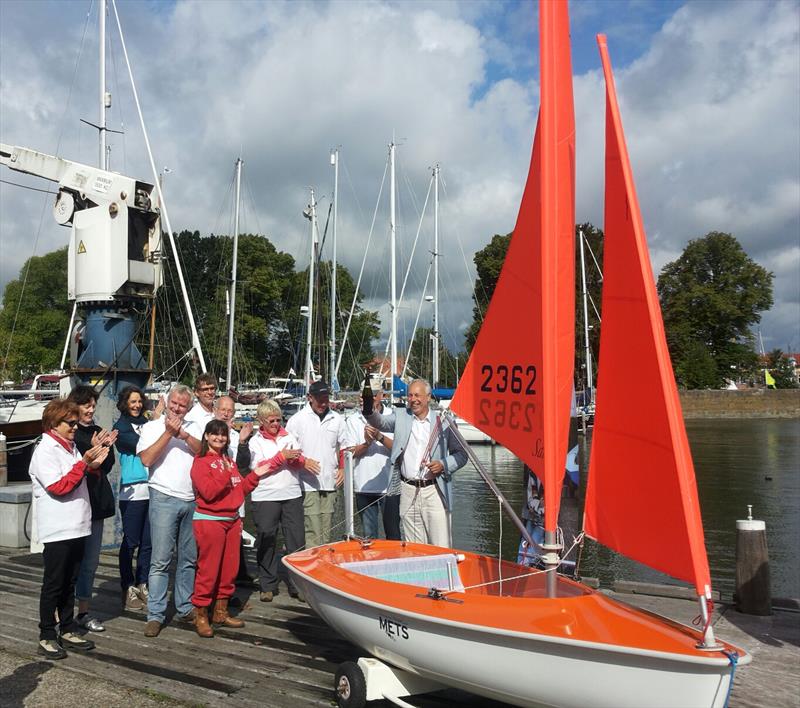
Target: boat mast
{"x":232,"y":314}
{"x":311,"y":215}
{"x":392,"y":240}
{"x":588,"y":351}
{"x":102,"y":161}
{"x":435,"y":372}
{"x":332,"y":342}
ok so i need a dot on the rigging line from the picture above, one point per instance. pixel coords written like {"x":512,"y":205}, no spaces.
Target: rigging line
{"x":591,"y":253}
{"x":363,"y":263}
{"x":44,"y":205}
{"x":165,"y":214}
{"x":24,"y":186}
{"x":467,"y":270}
{"x":416,"y":321}
{"x":120,"y":111}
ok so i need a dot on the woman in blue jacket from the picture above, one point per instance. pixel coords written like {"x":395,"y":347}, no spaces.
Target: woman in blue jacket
{"x":134,"y":500}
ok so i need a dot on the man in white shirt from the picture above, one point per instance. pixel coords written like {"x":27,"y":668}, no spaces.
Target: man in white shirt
{"x":321,"y":433}
{"x":372,"y":473}
{"x":426,"y":459}
{"x":167,"y":446}
{"x":205,"y":391}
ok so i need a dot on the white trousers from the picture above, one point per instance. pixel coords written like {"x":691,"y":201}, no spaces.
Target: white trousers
{"x":423,"y":516}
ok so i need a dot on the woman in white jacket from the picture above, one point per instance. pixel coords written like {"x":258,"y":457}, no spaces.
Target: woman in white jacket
{"x":63,"y":521}
{"x":278,"y":498}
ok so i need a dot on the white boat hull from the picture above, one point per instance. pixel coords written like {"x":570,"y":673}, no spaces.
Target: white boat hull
{"x":521,"y":669}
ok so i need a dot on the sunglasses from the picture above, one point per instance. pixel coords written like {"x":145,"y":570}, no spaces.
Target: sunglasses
{"x":71,"y":423}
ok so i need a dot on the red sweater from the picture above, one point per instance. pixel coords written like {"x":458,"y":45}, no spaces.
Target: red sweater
{"x":219,"y":489}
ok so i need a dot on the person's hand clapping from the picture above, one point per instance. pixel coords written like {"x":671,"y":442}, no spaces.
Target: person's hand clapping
{"x":312,"y":466}
{"x":245,"y":432}
{"x":173,"y":425}
{"x":290,"y":454}
{"x":95,"y":456}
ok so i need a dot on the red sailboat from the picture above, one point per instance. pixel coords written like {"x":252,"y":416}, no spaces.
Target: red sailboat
{"x":498,"y":629}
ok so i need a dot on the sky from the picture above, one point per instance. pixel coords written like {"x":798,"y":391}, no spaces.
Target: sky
{"x":709,"y":95}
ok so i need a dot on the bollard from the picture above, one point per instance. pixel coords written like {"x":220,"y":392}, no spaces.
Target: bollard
{"x":3,"y":461}
{"x":753,"y":593}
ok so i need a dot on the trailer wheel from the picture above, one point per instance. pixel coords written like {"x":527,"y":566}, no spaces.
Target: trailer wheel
{"x":351,"y":686}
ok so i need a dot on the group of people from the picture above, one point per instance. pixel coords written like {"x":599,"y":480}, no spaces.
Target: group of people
{"x":184,"y":475}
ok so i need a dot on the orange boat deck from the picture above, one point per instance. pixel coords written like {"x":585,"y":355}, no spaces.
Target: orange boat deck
{"x":517,"y":605}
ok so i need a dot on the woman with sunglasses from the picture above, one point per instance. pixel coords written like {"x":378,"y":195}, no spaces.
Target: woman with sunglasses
{"x":63,"y":522}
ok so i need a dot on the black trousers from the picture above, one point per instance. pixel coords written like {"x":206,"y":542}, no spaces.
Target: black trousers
{"x":268,"y":515}
{"x":62,"y":560}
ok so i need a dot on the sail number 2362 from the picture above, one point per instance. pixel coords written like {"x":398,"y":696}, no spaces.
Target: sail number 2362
{"x":503,"y":378}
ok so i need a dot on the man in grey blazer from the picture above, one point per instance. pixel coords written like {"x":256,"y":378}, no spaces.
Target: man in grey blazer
{"x":422,"y":466}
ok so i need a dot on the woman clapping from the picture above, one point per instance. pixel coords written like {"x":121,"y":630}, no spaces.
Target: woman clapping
{"x":63,"y":522}
{"x":219,"y":492}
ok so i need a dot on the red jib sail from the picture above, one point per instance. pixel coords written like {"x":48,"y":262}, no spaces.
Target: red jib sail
{"x":641,"y":498}
{"x":517,"y":385}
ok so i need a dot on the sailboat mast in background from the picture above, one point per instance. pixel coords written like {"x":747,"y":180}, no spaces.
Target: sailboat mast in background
{"x":334,"y":311}
{"x":311,"y":215}
{"x":393,"y":248}
{"x":232,"y":297}
{"x":435,"y":335}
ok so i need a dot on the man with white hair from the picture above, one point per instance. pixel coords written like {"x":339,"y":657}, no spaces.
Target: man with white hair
{"x":167,"y":446}
{"x":424,"y":458}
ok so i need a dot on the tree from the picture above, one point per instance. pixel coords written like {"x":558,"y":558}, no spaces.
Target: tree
{"x":33,"y":323}
{"x":782,"y":369}
{"x":710,"y":297}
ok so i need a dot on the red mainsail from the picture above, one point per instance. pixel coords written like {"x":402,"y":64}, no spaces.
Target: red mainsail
{"x":517,"y":385}
{"x":641,"y":498}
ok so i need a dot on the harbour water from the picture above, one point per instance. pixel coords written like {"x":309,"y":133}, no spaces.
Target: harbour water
{"x":737,"y":462}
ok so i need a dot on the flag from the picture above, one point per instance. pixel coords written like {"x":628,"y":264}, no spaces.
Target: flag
{"x":769,"y":379}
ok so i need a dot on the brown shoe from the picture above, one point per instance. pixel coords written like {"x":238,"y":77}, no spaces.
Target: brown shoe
{"x":189,"y":617}
{"x":201,"y":624}
{"x":152,"y":628}
{"x":222,"y":617}
{"x":266,"y":596}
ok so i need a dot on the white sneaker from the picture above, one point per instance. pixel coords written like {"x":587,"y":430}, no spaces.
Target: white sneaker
{"x":90,"y":623}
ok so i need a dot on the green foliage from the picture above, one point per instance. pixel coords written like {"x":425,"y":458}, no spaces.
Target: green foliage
{"x":782,"y":369}
{"x":267,"y":326}
{"x":710,"y":297}
{"x":420,"y":360}
{"x":42,"y":319}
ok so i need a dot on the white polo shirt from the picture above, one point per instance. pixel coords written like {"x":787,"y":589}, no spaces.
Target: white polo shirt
{"x":319,"y":440}
{"x":170,"y":473}
{"x":58,"y":518}
{"x":373,"y":470}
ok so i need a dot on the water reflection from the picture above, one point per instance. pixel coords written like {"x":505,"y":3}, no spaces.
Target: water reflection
{"x":737,"y":462}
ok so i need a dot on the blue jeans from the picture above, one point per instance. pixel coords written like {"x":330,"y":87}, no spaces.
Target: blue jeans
{"x":368,"y":506}
{"x":135,"y":534}
{"x":91,"y":558}
{"x":170,"y":528}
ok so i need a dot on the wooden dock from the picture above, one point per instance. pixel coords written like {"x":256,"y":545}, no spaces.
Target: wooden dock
{"x":286,"y":656}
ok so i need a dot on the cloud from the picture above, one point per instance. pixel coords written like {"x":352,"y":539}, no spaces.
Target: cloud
{"x":711,"y":118}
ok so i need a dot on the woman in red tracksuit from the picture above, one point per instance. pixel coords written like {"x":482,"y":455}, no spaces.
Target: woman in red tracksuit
{"x":219,"y":492}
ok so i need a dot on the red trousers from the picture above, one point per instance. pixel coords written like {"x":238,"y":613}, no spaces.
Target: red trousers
{"x":217,"y":559}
